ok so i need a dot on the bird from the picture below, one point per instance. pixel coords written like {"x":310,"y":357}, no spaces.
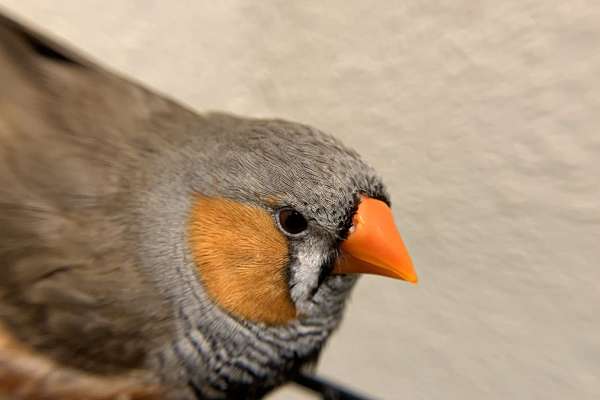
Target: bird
{"x":209,"y":254}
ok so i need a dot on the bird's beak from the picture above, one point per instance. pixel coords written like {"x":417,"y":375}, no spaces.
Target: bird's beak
{"x":374,"y":245}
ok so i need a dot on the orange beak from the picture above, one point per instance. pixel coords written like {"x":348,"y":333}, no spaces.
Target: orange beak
{"x":374,"y":245}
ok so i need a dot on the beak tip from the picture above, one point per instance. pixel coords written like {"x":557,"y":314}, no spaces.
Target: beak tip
{"x":411,"y":279}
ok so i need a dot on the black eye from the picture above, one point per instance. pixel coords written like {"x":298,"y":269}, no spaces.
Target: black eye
{"x":291,"y":222}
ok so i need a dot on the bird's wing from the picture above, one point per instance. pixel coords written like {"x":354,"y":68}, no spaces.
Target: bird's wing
{"x":70,"y":285}
{"x":31,"y":376}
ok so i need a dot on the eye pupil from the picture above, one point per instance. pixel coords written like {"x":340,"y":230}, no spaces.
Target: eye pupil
{"x":291,"y":221}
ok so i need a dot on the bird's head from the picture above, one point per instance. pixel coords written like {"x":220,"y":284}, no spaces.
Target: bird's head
{"x":277,"y":210}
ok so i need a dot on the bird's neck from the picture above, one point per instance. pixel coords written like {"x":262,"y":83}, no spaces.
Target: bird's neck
{"x":216,"y":353}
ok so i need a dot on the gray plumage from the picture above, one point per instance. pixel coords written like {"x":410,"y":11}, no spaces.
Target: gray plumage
{"x":96,"y":179}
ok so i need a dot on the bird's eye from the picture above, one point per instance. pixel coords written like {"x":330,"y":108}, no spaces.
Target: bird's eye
{"x":291,"y":222}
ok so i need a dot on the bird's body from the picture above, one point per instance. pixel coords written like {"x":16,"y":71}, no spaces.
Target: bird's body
{"x":138,"y":235}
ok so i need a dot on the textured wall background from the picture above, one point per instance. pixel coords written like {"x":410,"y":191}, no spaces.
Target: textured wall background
{"x":484,"y":119}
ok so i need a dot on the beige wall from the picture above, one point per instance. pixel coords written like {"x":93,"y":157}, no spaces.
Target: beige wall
{"x":484,"y":120}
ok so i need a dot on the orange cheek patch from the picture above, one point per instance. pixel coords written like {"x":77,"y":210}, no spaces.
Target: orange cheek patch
{"x":241,"y":258}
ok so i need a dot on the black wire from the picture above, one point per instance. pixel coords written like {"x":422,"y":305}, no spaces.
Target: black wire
{"x":328,"y":390}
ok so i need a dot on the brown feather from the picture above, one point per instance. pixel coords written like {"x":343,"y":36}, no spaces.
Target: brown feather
{"x":242,"y":258}
{"x":71,"y":145}
{"x":25,"y":375}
